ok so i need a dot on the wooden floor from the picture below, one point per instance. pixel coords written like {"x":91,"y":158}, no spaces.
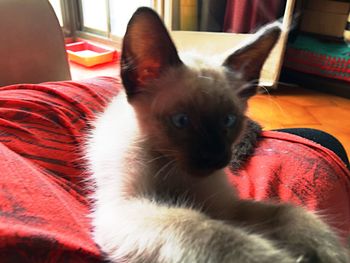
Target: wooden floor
{"x":286,"y":107}
{"x":289,"y":107}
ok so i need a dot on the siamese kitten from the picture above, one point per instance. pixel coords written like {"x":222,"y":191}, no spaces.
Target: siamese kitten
{"x":158,"y":152}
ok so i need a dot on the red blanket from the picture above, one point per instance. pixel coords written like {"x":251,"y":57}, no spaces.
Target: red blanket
{"x":43,"y":205}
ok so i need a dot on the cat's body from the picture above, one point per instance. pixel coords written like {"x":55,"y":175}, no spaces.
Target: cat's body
{"x":157,"y":156}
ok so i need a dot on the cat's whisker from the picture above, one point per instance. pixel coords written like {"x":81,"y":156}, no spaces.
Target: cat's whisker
{"x":163,"y":156}
{"x":169,"y":153}
{"x":164,"y":167}
{"x":167,"y":150}
{"x":140,"y":139}
{"x":208,"y":199}
{"x":252,"y":83}
{"x":171,"y":171}
{"x":155,"y":159}
{"x":271,"y":99}
{"x":266,"y":91}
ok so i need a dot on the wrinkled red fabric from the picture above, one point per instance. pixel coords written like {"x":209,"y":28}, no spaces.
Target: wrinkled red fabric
{"x":43,"y":202}
{"x":291,"y":169}
{"x":43,"y":205}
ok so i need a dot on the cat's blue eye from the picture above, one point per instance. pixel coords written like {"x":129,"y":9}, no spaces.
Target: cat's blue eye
{"x":180,"y":120}
{"x":230,"y":120}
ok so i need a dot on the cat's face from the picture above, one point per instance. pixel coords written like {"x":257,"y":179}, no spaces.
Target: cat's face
{"x":191,"y":114}
{"x":195,"y":120}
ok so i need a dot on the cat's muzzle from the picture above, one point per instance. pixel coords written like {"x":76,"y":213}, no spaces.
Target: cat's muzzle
{"x":206,"y":163}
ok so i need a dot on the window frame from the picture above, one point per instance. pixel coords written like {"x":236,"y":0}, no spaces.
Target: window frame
{"x":73,"y":23}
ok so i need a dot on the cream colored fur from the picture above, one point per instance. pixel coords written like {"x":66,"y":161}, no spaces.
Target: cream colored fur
{"x":147,"y":208}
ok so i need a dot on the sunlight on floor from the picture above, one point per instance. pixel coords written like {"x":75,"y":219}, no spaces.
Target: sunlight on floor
{"x":295,"y":107}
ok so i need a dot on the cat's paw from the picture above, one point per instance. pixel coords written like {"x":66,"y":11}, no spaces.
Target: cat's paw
{"x":234,"y":245}
{"x":321,"y":248}
{"x":312,"y":241}
{"x":261,"y":251}
{"x":323,"y":256}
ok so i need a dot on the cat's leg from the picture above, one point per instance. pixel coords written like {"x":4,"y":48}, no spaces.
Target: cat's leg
{"x":298,"y":230}
{"x":142,"y":231}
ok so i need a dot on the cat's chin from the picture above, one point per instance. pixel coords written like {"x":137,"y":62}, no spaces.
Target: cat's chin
{"x":204,"y":169}
{"x":203,"y":172}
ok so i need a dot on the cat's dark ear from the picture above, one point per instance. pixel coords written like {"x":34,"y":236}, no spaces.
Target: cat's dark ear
{"x":249,"y":59}
{"x":147,"y":50}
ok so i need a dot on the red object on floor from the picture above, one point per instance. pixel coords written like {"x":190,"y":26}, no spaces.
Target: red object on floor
{"x":89,"y":54}
{"x":43,"y":204}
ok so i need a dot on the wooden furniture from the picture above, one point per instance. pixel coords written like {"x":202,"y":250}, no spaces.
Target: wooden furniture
{"x":214,"y":43}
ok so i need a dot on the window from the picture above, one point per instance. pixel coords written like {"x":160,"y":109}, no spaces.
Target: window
{"x":98,"y":18}
{"x":108,"y":17}
{"x":121,"y":13}
{"x":95,"y":16}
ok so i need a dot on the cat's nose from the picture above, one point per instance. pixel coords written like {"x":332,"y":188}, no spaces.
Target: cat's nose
{"x":214,"y":160}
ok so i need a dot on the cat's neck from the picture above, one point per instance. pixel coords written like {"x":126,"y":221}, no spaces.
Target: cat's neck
{"x":160,"y":177}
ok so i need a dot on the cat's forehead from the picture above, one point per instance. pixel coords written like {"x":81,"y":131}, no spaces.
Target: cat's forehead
{"x":200,"y":86}
{"x":206,"y":82}
{"x":213,"y":63}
